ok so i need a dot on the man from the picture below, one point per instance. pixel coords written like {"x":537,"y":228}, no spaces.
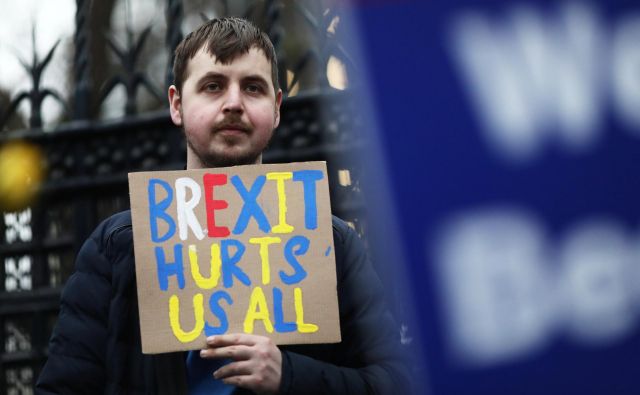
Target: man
{"x":227,"y":100}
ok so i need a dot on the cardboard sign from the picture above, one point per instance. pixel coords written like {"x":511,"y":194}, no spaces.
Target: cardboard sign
{"x":245,"y":249}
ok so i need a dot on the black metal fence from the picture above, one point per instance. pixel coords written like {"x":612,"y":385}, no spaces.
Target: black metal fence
{"x":87,"y":160}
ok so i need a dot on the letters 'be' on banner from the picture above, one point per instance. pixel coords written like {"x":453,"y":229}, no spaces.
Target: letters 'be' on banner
{"x":245,"y":249}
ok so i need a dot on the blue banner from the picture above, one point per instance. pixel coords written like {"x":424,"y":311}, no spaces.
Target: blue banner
{"x":510,"y":137}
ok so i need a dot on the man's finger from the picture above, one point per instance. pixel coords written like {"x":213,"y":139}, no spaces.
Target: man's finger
{"x":252,"y":382}
{"x":238,"y":381}
{"x":235,"y":352}
{"x":233,"y":369}
{"x":232,"y":339}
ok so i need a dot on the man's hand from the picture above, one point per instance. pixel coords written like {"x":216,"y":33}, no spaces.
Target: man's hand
{"x":257,"y":362}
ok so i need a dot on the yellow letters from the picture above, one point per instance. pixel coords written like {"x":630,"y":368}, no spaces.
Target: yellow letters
{"x":212,"y":281}
{"x":257,"y":311}
{"x":264,"y":255}
{"x":279,"y":178}
{"x":302,"y":326}
{"x":174,"y":318}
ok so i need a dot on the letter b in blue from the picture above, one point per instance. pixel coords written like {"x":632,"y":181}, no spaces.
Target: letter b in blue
{"x":158,"y":210}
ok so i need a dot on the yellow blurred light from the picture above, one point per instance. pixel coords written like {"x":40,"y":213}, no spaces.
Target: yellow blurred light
{"x":344,"y":177}
{"x":337,"y":73}
{"x":295,"y":88}
{"x":21,"y":173}
{"x":333,"y":25}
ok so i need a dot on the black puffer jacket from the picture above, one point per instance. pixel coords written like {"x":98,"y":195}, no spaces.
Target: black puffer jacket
{"x":95,"y":347}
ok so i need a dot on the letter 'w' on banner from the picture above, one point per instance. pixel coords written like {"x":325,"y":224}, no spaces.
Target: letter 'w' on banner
{"x":234,"y":250}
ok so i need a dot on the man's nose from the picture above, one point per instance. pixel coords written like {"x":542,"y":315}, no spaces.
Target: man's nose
{"x":233,"y":100}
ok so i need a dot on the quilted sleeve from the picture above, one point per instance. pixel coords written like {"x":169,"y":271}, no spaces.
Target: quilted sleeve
{"x":77,"y":346}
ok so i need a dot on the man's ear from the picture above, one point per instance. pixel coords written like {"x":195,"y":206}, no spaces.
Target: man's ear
{"x":278,"y":103}
{"x":175,"y":105}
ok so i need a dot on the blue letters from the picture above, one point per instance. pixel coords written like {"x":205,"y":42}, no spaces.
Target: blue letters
{"x":166,"y":269}
{"x":309,"y":178}
{"x":229,"y":268}
{"x":219,"y":312}
{"x":250,"y":207}
{"x":278,"y":316}
{"x":158,"y":210}
{"x":302,"y":244}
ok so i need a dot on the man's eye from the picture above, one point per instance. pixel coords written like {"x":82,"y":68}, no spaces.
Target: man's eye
{"x":212,"y":86}
{"x":253,"y":88}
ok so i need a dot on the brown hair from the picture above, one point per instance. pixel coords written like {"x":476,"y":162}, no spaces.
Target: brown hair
{"x":226,"y":39}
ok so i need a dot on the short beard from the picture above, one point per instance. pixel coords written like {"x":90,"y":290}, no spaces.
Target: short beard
{"x":210,"y":161}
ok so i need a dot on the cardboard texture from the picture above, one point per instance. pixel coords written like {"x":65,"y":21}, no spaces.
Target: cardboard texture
{"x":234,"y":250}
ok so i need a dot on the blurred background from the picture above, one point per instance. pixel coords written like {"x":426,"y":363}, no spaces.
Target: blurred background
{"x":510,"y":135}
{"x":486,"y":151}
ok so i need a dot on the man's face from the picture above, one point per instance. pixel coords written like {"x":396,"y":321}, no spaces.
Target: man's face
{"x":228,"y":112}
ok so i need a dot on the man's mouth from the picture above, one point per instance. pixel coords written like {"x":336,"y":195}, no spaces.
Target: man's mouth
{"x":232,"y":129}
